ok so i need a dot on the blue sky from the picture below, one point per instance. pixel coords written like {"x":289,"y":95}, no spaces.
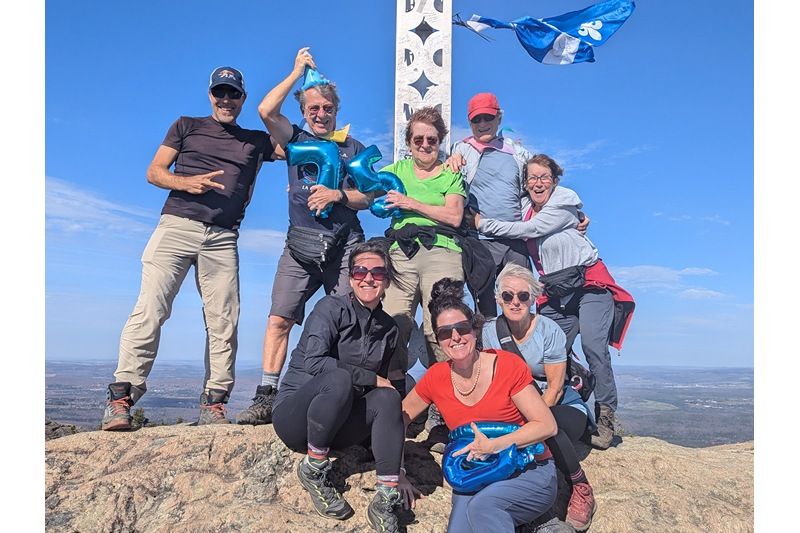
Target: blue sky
{"x":656,"y":136}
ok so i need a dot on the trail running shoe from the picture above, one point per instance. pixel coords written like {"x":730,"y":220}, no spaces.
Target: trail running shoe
{"x":381,"y":513}
{"x":326,"y":499}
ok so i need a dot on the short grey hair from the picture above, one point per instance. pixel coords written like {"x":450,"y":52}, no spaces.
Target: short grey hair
{"x":326,"y":90}
{"x":520,"y":272}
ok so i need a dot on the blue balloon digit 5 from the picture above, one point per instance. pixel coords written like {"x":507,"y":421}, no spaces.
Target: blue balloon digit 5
{"x":323,"y":154}
{"x":367,"y":180}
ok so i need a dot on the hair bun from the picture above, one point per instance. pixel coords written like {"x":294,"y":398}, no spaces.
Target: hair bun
{"x":447,"y":288}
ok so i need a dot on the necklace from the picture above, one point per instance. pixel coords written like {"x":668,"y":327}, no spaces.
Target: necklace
{"x":474,"y":385}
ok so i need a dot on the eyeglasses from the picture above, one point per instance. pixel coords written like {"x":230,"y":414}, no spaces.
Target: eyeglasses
{"x":359,"y":273}
{"x":419,"y":139}
{"x":545,"y":179}
{"x":477,"y":119}
{"x":314,"y":109}
{"x":222,"y":92}
{"x":522,"y":296}
{"x":446,"y":332}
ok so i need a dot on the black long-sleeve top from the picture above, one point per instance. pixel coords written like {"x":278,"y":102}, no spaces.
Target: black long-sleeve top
{"x":340,"y":332}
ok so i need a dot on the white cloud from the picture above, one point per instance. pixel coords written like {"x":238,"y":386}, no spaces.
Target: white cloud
{"x":71,"y":209}
{"x":714,"y":219}
{"x":265,"y":241}
{"x":700,"y":294}
{"x":655,"y":277}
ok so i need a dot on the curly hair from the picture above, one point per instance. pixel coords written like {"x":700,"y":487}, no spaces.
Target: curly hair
{"x":545,"y":161}
{"x":447,"y":294}
{"x":427,"y":115}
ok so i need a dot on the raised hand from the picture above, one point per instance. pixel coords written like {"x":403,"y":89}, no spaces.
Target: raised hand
{"x":304,"y":59}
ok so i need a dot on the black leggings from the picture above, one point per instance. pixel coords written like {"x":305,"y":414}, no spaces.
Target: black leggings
{"x":571,"y":424}
{"x":325,"y":413}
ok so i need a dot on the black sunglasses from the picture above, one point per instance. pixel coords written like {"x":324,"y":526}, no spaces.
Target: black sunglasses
{"x":222,"y":92}
{"x":418,"y":140}
{"x":477,"y":119}
{"x":508,"y":296}
{"x":378,"y":273}
{"x":446,"y":332}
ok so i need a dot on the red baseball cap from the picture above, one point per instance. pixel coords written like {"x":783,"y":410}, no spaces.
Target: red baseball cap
{"x":483,"y":104}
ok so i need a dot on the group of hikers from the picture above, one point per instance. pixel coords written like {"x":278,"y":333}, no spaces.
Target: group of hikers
{"x":476,"y":217}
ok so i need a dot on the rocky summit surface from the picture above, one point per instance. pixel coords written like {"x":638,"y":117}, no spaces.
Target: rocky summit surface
{"x":241,"y":478}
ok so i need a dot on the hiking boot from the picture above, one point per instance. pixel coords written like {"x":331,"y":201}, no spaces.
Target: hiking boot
{"x":554,"y":525}
{"x":261,"y":410}
{"x":326,"y":499}
{"x":117,"y":415}
{"x":434,"y":418}
{"x":212,"y":407}
{"x":581,"y":506}
{"x":381,"y":511}
{"x":605,"y":428}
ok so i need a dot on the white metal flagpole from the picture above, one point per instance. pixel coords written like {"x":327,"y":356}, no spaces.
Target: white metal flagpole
{"x":423,"y":53}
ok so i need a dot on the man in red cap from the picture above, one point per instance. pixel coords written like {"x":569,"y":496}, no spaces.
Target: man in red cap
{"x":492,"y":167}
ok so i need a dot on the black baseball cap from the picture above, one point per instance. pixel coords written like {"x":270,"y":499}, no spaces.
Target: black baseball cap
{"x":227,"y":76}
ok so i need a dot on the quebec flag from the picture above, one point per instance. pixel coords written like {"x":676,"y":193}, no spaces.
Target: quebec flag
{"x":565,"y":39}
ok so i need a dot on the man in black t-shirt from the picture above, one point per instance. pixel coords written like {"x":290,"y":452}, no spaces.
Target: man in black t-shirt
{"x":295,"y":280}
{"x":215,"y":167}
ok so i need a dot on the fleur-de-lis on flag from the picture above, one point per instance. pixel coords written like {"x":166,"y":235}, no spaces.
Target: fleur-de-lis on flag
{"x":590,"y":29}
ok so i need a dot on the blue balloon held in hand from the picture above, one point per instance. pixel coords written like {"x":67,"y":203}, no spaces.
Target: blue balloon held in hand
{"x":325,"y":156}
{"x":367,"y":180}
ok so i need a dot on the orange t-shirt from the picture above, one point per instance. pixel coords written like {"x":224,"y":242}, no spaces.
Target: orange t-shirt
{"x":511,"y":376}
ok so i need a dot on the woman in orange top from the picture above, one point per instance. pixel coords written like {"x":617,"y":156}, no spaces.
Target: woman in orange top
{"x":485,"y":386}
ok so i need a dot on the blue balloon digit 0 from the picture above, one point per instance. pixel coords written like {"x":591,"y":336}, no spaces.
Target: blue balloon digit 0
{"x":368,"y":180}
{"x":323,"y":154}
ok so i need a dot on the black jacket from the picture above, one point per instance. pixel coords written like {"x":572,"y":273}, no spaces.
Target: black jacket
{"x":340,"y":332}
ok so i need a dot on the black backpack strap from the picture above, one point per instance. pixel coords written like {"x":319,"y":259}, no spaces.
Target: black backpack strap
{"x":507,"y":342}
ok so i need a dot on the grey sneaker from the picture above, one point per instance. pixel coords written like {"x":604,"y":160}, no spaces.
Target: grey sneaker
{"x":117,"y":415}
{"x":381,"y":512}
{"x":326,"y":499}
{"x":212,"y":407}
{"x":605,"y":428}
{"x":260,"y":412}
{"x":554,"y":525}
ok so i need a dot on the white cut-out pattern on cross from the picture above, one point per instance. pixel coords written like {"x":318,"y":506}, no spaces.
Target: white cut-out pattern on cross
{"x":590,"y":29}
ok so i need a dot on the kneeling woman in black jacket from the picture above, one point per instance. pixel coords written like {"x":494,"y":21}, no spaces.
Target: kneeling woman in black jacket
{"x":335,"y":392}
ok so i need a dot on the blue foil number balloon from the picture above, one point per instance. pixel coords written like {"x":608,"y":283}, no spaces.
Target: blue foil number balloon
{"x":471,"y":476}
{"x":368,"y":180}
{"x":325,"y":156}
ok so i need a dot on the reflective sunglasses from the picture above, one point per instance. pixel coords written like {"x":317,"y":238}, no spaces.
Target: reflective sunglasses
{"x":477,"y":119}
{"x":418,"y":140}
{"x":508,"y":296}
{"x":446,"y":332}
{"x":359,"y":273}
{"x":314,"y":109}
{"x":222,"y":92}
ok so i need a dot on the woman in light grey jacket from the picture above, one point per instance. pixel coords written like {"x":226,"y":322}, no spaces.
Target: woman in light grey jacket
{"x":562,"y":252}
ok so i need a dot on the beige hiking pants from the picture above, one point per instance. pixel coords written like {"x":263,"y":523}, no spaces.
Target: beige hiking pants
{"x":177,"y":244}
{"x":412,"y":286}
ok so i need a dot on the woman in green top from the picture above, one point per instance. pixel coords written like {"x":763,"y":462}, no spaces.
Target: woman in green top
{"x":420,"y":252}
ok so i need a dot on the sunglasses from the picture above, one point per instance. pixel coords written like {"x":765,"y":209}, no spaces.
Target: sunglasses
{"x":359,"y":273}
{"x":446,"y":332}
{"x":419,"y":139}
{"x":314,"y":109}
{"x":477,"y":119}
{"x":508,"y":296}
{"x":221,"y":92}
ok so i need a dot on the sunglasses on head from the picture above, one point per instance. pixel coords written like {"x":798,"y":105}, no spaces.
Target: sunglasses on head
{"x":419,"y":139}
{"x":508,"y":296}
{"x":477,"y":119}
{"x":446,"y":332}
{"x":222,"y":92}
{"x":359,"y":273}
